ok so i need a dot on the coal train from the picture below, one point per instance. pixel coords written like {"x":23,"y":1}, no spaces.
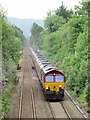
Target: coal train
{"x":51,"y":78}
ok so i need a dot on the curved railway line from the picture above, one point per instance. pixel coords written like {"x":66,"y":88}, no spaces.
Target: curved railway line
{"x":32,"y":103}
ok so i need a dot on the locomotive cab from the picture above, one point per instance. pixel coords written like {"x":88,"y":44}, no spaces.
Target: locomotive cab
{"x":54,"y":84}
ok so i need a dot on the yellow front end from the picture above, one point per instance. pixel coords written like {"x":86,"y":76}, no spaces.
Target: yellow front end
{"x":54,"y":86}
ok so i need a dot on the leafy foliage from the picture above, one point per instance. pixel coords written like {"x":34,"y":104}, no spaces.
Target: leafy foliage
{"x":11,"y":44}
{"x":65,"y":43}
{"x":62,"y":11}
{"x":53,"y":22}
{"x":19,"y":33}
{"x":35,"y":31}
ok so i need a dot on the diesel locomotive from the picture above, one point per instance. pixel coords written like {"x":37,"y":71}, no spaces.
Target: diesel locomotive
{"x":51,"y":78}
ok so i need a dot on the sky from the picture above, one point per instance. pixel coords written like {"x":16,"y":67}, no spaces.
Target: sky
{"x":35,"y":9}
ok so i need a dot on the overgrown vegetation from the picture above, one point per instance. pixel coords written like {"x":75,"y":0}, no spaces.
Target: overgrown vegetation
{"x":10,"y":47}
{"x":65,"y":44}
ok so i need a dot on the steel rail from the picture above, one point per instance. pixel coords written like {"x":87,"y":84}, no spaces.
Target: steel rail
{"x":20,"y":104}
{"x":20,"y":101}
{"x":77,"y":106}
{"x":68,"y":115}
{"x":51,"y":110}
{"x":33,"y":104}
{"x":32,"y":97}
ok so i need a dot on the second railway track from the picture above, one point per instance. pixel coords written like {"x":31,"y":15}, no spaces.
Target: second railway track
{"x":26,"y":91}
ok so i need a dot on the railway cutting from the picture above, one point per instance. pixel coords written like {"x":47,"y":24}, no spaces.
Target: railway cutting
{"x":31,"y":102}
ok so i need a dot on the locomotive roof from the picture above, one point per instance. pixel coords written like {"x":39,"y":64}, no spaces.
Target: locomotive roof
{"x":44,"y":64}
{"x":49,"y":69}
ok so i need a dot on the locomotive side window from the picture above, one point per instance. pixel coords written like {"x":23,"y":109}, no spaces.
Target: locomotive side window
{"x":49,"y":78}
{"x":59,"y":78}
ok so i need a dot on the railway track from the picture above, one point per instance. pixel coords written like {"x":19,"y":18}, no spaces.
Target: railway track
{"x":66,"y":111}
{"x":32,"y":103}
{"x":51,"y":109}
{"x":75,"y":103}
{"x":30,"y":82}
{"x":20,"y":100}
{"x":56,"y":114}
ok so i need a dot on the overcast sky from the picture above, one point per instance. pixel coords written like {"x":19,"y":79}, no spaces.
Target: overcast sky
{"x":36,"y":9}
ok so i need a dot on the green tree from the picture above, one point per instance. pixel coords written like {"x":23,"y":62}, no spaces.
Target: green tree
{"x":19,"y":33}
{"x":35,"y":31}
{"x":11,"y":46}
{"x":62,"y":11}
{"x":52,"y":23}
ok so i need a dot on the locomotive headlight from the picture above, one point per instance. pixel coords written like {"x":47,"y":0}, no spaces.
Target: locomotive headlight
{"x":59,"y":85}
{"x":47,"y":88}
